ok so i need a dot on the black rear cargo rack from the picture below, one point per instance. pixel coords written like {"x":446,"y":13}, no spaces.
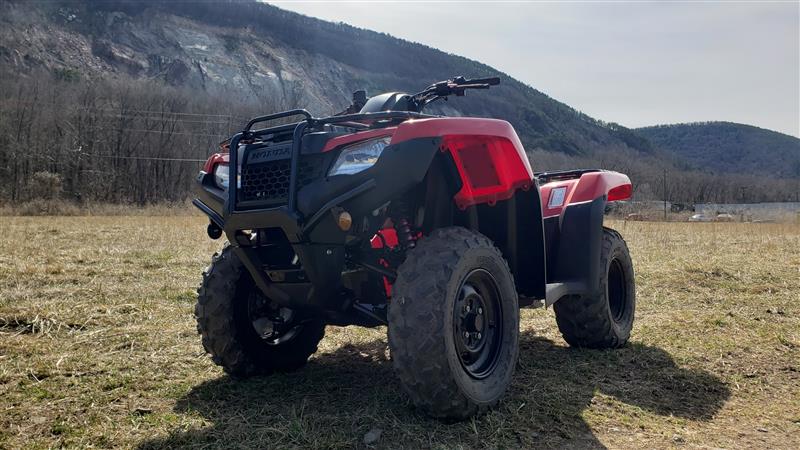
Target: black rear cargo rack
{"x":546,"y":177}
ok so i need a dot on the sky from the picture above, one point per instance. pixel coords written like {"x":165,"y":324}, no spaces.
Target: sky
{"x":632,"y":62}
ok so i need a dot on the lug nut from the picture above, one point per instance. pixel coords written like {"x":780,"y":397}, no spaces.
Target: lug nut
{"x":479,"y":335}
{"x":466,"y":335}
{"x":466,"y":308}
{"x":480,"y":310}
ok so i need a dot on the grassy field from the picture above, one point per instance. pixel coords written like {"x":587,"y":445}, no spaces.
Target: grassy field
{"x":98,"y":348}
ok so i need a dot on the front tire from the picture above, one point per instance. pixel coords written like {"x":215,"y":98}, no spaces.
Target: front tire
{"x":603,"y":320}
{"x":454,"y":324}
{"x":242,"y":331}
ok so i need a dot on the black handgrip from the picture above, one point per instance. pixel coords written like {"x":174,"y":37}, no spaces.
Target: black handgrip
{"x":293,"y":112}
{"x":491,"y":81}
{"x":461,"y":87}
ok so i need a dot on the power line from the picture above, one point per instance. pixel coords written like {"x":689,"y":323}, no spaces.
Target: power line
{"x":140,"y":117}
{"x":180,"y":133}
{"x":145,"y":158}
{"x":113,"y":110}
{"x":153,"y":118}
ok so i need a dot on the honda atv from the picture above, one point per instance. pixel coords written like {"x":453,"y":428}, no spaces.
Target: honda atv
{"x":433,"y":226}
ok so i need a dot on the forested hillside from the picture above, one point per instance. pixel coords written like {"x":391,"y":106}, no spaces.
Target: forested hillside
{"x":725,"y":147}
{"x":120,"y":101}
{"x":269,"y":53}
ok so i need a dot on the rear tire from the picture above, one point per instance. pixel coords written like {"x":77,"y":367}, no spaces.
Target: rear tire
{"x":454,"y":324}
{"x":603,"y":320}
{"x":226,"y":322}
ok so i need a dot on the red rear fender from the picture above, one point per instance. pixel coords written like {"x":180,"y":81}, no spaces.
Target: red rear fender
{"x":558,"y":194}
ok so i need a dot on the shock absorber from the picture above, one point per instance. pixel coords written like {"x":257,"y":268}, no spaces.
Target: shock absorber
{"x":401,"y":211}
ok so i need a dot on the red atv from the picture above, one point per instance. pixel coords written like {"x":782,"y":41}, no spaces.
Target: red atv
{"x":436,"y":227}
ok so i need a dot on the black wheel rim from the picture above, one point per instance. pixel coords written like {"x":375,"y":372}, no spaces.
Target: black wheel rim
{"x":478,"y":323}
{"x":272,"y":324}
{"x":617,"y":294}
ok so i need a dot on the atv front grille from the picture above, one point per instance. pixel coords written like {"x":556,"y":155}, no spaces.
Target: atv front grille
{"x":268,"y":183}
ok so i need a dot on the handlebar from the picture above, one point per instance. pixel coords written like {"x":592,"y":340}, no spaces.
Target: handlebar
{"x":454,"y":86}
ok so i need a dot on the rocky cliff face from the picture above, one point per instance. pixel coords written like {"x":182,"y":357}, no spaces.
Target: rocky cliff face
{"x":176,"y":50}
{"x":275,"y":57}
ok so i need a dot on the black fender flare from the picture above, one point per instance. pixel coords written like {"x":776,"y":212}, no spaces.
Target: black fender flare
{"x":514,"y":225}
{"x":574,"y":246}
{"x":400,"y":167}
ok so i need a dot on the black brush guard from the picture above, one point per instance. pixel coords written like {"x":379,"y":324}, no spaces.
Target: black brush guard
{"x":322,"y":263}
{"x":353,"y":120}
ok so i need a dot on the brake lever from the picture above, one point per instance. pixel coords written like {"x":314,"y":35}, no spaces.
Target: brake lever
{"x":455,"y":86}
{"x":461,"y":89}
{"x":444,"y":88}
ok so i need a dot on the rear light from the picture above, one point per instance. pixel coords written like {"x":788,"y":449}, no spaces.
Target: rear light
{"x":621,"y":192}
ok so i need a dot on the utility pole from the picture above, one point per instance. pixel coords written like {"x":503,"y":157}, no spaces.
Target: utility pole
{"x":664,"y":191}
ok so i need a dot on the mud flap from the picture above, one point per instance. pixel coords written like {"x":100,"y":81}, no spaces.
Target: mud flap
{"x":575,"y":266}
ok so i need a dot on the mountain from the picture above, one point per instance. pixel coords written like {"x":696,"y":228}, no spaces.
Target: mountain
{"x":725,"y":147}
{"x":121,"y":100}
{"x":278,"y":58}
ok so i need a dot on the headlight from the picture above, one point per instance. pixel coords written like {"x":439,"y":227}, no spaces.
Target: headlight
{"x":360,"y":156}
{"x":221,"y":176}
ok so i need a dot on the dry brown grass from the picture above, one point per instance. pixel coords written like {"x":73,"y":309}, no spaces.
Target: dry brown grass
{"x":98,"y":349}
{"x":62,"y":208}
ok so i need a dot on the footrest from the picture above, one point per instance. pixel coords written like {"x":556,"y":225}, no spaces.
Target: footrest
{"x":556,"y":291}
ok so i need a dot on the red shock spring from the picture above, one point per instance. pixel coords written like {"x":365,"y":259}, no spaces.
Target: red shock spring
{"x":405,"y":237}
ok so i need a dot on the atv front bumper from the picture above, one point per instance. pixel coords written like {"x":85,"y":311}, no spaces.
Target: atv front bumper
{"x":321,"y":261}
{"x":309,"y":223}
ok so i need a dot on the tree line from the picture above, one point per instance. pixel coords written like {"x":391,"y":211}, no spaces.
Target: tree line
{"x":118,"y":141}
{"x":141,"y":142}
{"x":655,"y":177}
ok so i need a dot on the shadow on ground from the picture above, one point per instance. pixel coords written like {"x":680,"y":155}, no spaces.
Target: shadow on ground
{"x":340,"y":396}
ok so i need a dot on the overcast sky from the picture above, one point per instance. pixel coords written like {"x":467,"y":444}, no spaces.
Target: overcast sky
{"x":636,"y":63}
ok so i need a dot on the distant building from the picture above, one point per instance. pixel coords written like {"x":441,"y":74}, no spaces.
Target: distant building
{"x":751,"y":211}
{"x":649,"y":205}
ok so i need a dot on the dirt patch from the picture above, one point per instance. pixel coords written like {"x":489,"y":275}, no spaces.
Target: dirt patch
{"x":37,"y":325}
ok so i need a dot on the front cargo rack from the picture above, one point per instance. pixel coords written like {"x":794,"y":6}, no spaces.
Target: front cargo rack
{"x":357,"y":121}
